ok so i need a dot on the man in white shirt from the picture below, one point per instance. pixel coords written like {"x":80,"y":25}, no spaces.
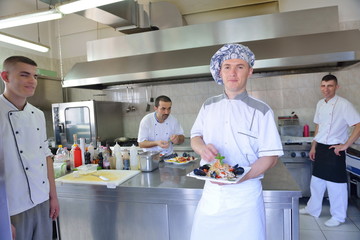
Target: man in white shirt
{"x":243,"y":130}
{"x":29,"y":173}
{"x":333,"y":116}
{"x":159,"y":130}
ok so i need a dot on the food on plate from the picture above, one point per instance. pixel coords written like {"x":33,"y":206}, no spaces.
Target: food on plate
{"x":181,"y":159}
{"x":220,"y":170}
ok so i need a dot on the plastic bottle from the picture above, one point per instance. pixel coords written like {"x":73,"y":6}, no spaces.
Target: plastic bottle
{"x":91,"y":150}
{"x":126,"y":159}
{"x":67,"y":158}
{"x":134,"y":158}
{"x":306,"y":132}
{"x":118,"y":156}
{"x":77,"y":156}
{"x":106,"y":157}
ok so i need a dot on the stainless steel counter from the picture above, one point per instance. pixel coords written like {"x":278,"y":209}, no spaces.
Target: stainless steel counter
{"x":161,"y":204}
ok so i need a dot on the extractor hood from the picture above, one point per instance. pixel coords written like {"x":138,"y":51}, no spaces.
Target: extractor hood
{"x":284,"y":41}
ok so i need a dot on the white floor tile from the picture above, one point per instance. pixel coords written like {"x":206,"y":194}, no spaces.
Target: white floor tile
{"x":337,"y":235}
{"x":311,"y":234}
{"x":355,"y":220}
{"x":314,"y":229}
{"x":308,"y":222}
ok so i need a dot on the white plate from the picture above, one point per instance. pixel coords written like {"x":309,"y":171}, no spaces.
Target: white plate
{"x":171,"y":160}
{"x":238,"y":178}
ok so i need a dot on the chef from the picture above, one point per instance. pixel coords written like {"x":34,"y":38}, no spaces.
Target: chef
{"x":159,"y":130}
{"x":243,"y":130}
{"x":29,"y":174}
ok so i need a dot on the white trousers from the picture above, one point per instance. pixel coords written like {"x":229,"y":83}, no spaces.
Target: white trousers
{"x":338,"y":196}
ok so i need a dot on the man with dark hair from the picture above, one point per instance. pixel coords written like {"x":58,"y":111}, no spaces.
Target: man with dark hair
{"x":333,"y":116}
{"x":29,"y":173}
{"x":158,"y":131}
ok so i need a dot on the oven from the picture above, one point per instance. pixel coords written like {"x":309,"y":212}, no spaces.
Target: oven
{"x":297,"y":161}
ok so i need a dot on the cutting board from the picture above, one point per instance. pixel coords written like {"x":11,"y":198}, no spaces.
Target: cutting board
{"x":116,"y":177}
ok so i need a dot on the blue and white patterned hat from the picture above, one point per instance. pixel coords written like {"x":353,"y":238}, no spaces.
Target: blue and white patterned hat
{"x":229,"y":51}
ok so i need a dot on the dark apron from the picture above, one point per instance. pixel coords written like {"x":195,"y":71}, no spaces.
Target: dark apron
{"x":328,"y":165}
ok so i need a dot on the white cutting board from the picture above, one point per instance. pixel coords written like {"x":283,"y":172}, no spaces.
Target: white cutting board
{"x":116,"y":177}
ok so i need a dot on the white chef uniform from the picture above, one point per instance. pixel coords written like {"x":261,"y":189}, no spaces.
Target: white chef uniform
{"x":334,"y":118}
{"x":241,"y":129}
{"x":151,"y":130}
{"x":25,"y":151}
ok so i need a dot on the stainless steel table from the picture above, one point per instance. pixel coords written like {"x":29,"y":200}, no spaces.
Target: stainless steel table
{"x":161,"y":204}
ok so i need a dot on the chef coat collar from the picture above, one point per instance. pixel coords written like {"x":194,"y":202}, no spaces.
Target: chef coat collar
{"x":240,"y":96}
{"x":333,"y":99}
{"x":11,"y":105}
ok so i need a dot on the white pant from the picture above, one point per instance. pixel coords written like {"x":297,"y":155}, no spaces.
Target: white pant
{"x":338,"y":196}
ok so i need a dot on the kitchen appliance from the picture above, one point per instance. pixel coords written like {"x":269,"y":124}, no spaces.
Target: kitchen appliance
{"x":353,"y":169}
{"x":297,"y":161}
{"x":149,"y":161}
{"x":92,"y":120}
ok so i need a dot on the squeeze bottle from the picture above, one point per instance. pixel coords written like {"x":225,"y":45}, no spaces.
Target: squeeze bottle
{"x":306,"y":132}
{"x":77,"y":156}
{"x":134,"y":158}
{"x":117,"y":153}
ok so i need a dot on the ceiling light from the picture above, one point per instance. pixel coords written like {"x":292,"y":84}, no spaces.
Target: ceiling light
{"x":80,"y":5}
{"x":35,"y":17}
{"x":23,"y":43}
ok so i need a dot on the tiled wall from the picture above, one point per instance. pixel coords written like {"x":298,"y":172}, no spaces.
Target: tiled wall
{"x":297,"y":93}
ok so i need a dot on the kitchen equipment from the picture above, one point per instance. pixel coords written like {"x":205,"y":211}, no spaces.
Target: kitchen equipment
{"x":291,"y":130}
{"x":115,"y":177}
{"x":297,"y":161}
{"x":88,"y":119}
{"x":149,"y":161}
{"x":353,"y":169}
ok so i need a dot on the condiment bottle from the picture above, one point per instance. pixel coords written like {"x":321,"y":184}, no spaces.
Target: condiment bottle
{"x":134,"y":158}
{"x":126,"y":159}
{"x":118,"y":156}
{"x":306,"y":132}
{"x":77,"y":156}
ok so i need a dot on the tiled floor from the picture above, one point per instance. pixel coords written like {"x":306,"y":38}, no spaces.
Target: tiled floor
{"x":314,"y":229}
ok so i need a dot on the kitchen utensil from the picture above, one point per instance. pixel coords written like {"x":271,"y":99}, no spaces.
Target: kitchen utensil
{"x":149,"y":161}
{"x":101,"y":177}
{"x":147,"y":99}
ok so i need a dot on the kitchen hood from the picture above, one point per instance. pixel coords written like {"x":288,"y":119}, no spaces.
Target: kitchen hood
{"x":128,"y":16}
{"x":285,"y":41}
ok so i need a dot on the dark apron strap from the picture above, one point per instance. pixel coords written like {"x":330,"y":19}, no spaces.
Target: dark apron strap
{"x":328,"y":165}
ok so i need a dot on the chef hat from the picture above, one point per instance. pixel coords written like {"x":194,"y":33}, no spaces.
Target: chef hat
{"x":229,"y":51}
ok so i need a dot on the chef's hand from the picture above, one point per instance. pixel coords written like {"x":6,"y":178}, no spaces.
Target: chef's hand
{"x":338,"y":148}
{"x":163,"y":144}
{"x":13,"y":232}
{"x":54,"y":208}
{"x":312,"y":154}
{"x":175,"y":139}
{"x":208,"y":153}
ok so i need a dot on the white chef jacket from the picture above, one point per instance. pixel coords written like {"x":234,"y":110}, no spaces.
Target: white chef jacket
{"x":334,"y":118}
{"x":151,"y":130}
{"x":25,"y":150}
{"x":241,"y":129}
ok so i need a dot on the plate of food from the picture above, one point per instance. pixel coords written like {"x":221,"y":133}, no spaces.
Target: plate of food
{"x":180,"y":160}
{"x":220,"y":172}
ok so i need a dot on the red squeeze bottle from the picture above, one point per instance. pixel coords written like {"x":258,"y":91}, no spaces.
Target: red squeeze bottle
{"x":77,"y":156}
{"x":306,"y":132}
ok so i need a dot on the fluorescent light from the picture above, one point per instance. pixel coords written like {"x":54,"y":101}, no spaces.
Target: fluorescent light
{"x":23,"y":43}
{"x":30,"y":18}
{"x":80,"y":5}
